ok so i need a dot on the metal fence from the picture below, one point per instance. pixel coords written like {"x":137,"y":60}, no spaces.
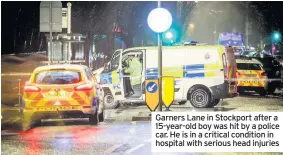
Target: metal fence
{"x":11,"y":88}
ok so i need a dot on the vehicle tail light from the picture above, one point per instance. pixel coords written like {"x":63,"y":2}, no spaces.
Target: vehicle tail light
{"x":32,"y":89}
{"x":263,"y":74}
{"x":84,"y":87}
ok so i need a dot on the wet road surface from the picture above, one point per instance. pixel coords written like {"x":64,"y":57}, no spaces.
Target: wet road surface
{"x":118,"y":135}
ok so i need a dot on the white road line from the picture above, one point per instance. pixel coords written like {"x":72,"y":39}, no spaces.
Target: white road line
{"x":112,"y":148}
{"x":134,"y":148}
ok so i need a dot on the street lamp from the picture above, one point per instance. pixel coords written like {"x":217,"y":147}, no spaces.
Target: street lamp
{"x":159,"y":20}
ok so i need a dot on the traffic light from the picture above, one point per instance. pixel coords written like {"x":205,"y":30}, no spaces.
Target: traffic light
{"x":273,"y":48}
{"x":171,"y":36}
{"x":276,"y":36}
{"x":168,"y":35}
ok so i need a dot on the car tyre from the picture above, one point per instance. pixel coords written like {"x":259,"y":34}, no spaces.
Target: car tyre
{"x":109,"y":101}
{"x":271,"y":88}
{"x":93,"y":119}
{"x":214,"y":103}
{"x":26,"y":122}
{"x":200,"y":98}
{"x":262,"y":92}
{"x":241,"y":91}
{"x":182,"y":102}
{"x":101,"y":116}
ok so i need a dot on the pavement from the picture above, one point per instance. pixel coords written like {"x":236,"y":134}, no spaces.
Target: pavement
{"x":125,"y":130}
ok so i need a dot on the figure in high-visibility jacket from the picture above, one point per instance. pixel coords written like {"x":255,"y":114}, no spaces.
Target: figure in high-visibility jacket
{"x":135,"y":71}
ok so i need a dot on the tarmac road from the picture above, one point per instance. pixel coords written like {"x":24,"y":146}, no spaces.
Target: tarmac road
{"x":121,"y":133}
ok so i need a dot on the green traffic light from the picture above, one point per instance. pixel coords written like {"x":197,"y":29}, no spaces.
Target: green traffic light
{"x":171,"y":36}
{"x":276,"y":36}
{"x":168,"y":35}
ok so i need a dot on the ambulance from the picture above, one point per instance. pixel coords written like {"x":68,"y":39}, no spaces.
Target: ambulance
{"x":203,"y":74}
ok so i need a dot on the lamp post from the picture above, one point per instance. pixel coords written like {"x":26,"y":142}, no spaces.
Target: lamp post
{"x":159,"y":20}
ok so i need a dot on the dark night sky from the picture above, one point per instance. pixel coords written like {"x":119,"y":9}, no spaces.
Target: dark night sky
{"x":28,"y":18}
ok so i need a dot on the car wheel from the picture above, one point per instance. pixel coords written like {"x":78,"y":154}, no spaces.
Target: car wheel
{"x":262,"y":92}
{"x":101,"y":116}
{"x":240,"y":91}
{"x":271,"y":88}
{"x":109,"y":101}
{"x":200,"y":98}
{"x":26,"y":122}
{"x":214,"y":103}
{"x":93,"y":119}
{"x":182,"y":102}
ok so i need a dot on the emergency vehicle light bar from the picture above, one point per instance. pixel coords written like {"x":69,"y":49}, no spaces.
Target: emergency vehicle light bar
{"x":193,"y":44}
{"x":63,"y":62}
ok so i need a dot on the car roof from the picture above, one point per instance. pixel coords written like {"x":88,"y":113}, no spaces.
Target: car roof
{"x":247,"y":61}
{"x":60,"y":66}
{"x":176,"y":47}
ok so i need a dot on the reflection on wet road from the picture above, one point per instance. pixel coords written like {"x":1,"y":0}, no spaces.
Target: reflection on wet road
{"x":118,"y":135}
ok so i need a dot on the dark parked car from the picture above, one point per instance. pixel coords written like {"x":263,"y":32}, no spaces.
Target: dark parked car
{"x":273,"y":69}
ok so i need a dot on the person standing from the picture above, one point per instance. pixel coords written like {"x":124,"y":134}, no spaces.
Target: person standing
{"x":135,"y":71}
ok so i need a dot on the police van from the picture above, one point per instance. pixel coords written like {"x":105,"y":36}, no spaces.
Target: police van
{"x":203,"y":74}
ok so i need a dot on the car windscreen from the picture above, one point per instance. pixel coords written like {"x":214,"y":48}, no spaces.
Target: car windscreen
{"x":57,"y":77}
{"x":248,"y":66}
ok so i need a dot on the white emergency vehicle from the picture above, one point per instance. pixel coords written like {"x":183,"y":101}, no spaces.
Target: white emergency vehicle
{"x":203,"y":74}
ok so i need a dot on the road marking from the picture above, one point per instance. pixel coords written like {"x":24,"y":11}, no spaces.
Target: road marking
{"x":112,"y":148}
{"x":134,"y":148}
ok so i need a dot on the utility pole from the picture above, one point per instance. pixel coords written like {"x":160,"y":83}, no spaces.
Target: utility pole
{"x":247,"y":25}
{"x":50,"y":33}
{"x":69,"y":16}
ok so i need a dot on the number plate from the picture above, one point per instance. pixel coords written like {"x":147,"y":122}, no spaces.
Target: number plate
{"x":52,"y":94}
{"x":57,"y":94}
{"x":250,"y":75}
{"x":248,"y":81}
{"x":56,"y":108}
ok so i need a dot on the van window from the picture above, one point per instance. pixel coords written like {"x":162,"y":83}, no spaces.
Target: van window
{"x":115,"y":61}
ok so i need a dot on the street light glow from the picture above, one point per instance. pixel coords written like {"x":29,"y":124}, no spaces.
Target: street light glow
{"x":159,"y":20}
{"x":276,"y":36}
{"x":169,"y":35}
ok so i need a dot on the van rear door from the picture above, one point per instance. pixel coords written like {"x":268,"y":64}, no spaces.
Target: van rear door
{"x":231,"y":70}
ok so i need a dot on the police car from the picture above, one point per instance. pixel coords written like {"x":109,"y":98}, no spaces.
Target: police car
{"x":251,"y":76}
{"x":62,"y":90}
